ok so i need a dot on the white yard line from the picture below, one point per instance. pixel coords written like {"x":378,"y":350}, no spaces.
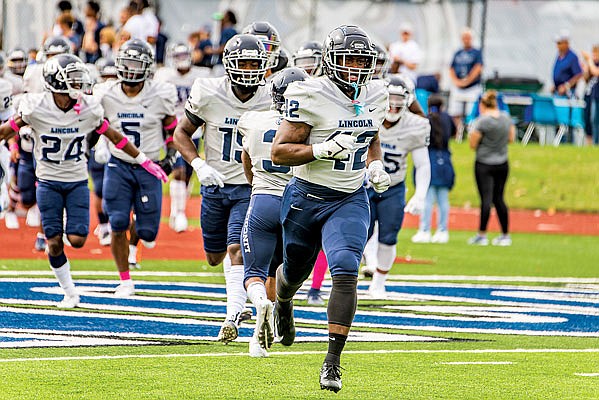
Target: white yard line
{"x":477,"y":363}
{"x":113,"y":273}
{"x":296,"y":353}
{"x":587,"y":374}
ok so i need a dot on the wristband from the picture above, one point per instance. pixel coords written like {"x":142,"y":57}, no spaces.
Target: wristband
{"x":197,"y":163}
{"x":103,"y":128}
{"x":13,"y":147}
{"x":172,"y":125}
{"x":168,"y":140}
{"x":14,"y":125}
{"x":122,"y":143}
{"x":141,"y":158}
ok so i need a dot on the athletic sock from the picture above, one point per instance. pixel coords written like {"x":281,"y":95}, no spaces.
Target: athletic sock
{"x":178,"y":192}
{"x":320,"y":269}
{"x":132,"y":259}
{"x":125,"y":276}
{"x":236,"y":295}
{"x":256,"y":292}
{"x":386,"y":255}
{"x":371,"y":253}
{"x":336,"y":344}
{"x":62,"y":270}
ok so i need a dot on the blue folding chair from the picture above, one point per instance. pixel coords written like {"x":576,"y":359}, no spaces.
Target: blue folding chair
{"x":543,"y":113}
{"x":569,"y":114}
{"x":422,"y":98}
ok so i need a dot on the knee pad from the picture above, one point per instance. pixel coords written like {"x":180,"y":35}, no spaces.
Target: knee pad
{"x":343,"y":300}
{"x":119,"y":221}
{"x":344,"y":262}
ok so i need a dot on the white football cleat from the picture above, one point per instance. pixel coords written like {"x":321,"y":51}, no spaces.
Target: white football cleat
{"x":69,"y":301}
{"x":265,"y":323}
{"x":10,"y":220}
{"x":148,"y":245}
{"x":421,"y":237}
{"x":33,"y":217}
{"x":377,"y":293}
{"x":228,"y":332}
{"x":180,"y":223}
{"x":440,"y":237}
{"x":105,"y":239}
{"x":255,"y":349}
{"x":125,"y":289}
{"x":368,"y":271}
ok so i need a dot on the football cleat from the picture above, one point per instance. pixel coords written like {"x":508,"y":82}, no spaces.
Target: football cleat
{"x":265,"y":324}
{"x":40,"y":243}
{"x":228,"y":332}
{"x":377,"y":293}
{"x":71,"y":301}
{"x":367,"y":271}
{"x":147,"y":244}
{"x":134,"y":265}
{"x":180,"y":223}
{"x":105,"y":239}
{"x":330,"y":377}
{"x":284,"y":323}
{"x":245,"y":315}
{"x":125,"y":289}
{"x":10,"y":220}
{"x":315,"y":297}
{"x":256,"y":349}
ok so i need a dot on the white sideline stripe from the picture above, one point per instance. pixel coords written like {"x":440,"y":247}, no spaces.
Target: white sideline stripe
{"x":482,"y":278}
{"x":478,"y":363}
{"x":295,"y":353}
{"x":586,"y":374}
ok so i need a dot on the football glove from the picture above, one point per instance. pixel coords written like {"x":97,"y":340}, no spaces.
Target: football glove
{"x":207,"y":175}
{"x":337,"y":148}
{"x":151,"y":167}
{"x":379,"y":179}
{"x":415,"y":206}
{"x":168,"y":161}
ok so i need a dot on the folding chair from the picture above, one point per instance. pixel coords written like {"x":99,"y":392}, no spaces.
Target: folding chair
{"x":543,"y":114}
{"x":422,"y":96}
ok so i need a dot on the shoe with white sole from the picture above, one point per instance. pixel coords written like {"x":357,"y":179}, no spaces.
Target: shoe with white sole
{"x":367,"y":271}
{"x":125,"y":289}
{"x":440,"y":237}
{"x":33,"y":217}
{"x":478,"y":240}
{"x":180,"y":223}
{"x":255,"y":349}
{"x":228,"y":332}
{"x":503,"y":241}
{"x":421,"y":237}
{"x":265,"y":324}
{"x":10,"y":220}
{"x":40,"y":243}
{"x":71,"y":301}
{"x":148,"y":245}
{"x":378,"y":293}
{"x":105,"y":238}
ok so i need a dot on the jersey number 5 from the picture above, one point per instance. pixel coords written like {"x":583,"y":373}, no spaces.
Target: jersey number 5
{"x":131,"y":129}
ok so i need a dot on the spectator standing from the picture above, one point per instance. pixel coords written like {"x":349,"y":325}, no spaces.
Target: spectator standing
{"x":65,"y":22}
{"x":566,"y":69}
{"x":227,"y":31}
{"x":492,"y":132}
{"x":142,"y":23}
{"x":591,"y":95}
{"x":465,"y":73}
{"x":442,"y":174}
{"x":151,"y":22}
{"x":405,"y":54}
{"x":201,"y":48}
{"x":93,"y":27}
{"x":65,"y":7}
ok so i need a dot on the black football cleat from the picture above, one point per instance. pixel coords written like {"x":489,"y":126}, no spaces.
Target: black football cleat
{"x":284,"y":323}
{"x":330,"y":377}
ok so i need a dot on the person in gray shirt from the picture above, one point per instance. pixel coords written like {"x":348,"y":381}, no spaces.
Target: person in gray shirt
{"x":492,"y":132}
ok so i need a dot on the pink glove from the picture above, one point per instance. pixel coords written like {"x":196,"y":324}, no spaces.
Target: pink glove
{"x":154,"y":169}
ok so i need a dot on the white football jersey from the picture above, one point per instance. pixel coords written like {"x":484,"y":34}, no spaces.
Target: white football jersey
{"x":258,"y":129}
{"x":409,"y":133}
{"x":6,"y":107}
{"x":140,"y":117}
{"x":183,"y":83}
{"x":16,"y":80}
{"x":213,"y":100}
{"x":33,"y":79}
{"x":60,"y":138}
{"x":321,"y":104}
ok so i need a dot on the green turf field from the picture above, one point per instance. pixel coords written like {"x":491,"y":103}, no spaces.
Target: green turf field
{"x":469,"y":366}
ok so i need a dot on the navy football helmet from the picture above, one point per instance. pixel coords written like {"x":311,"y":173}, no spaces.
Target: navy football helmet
{"x":244,"y":49}
{"x":55,"y":45}
{"x":282,"y":61}
{"x":134,"y":61}
{"x":270,"y":38}
{"x":382,"y":62}
{"x":17,"y":61}
{"x":106,"y":68}
{"x":342,"y":43}
{"x":309,"y":58}
{"x":67,"y":74}
{"x":401,"y":95}
{"x":280,"y":82}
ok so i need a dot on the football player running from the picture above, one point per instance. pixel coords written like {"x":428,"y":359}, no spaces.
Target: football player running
{"x":61,"y":119}
{"x":182,"y":74}
{"x":329,"y":135}
{"x":141,"y":109}
{"x":262,"y":233}
{"x":402,"y":133}
{"x":309,"y":57}
{"x":217,"y":104}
